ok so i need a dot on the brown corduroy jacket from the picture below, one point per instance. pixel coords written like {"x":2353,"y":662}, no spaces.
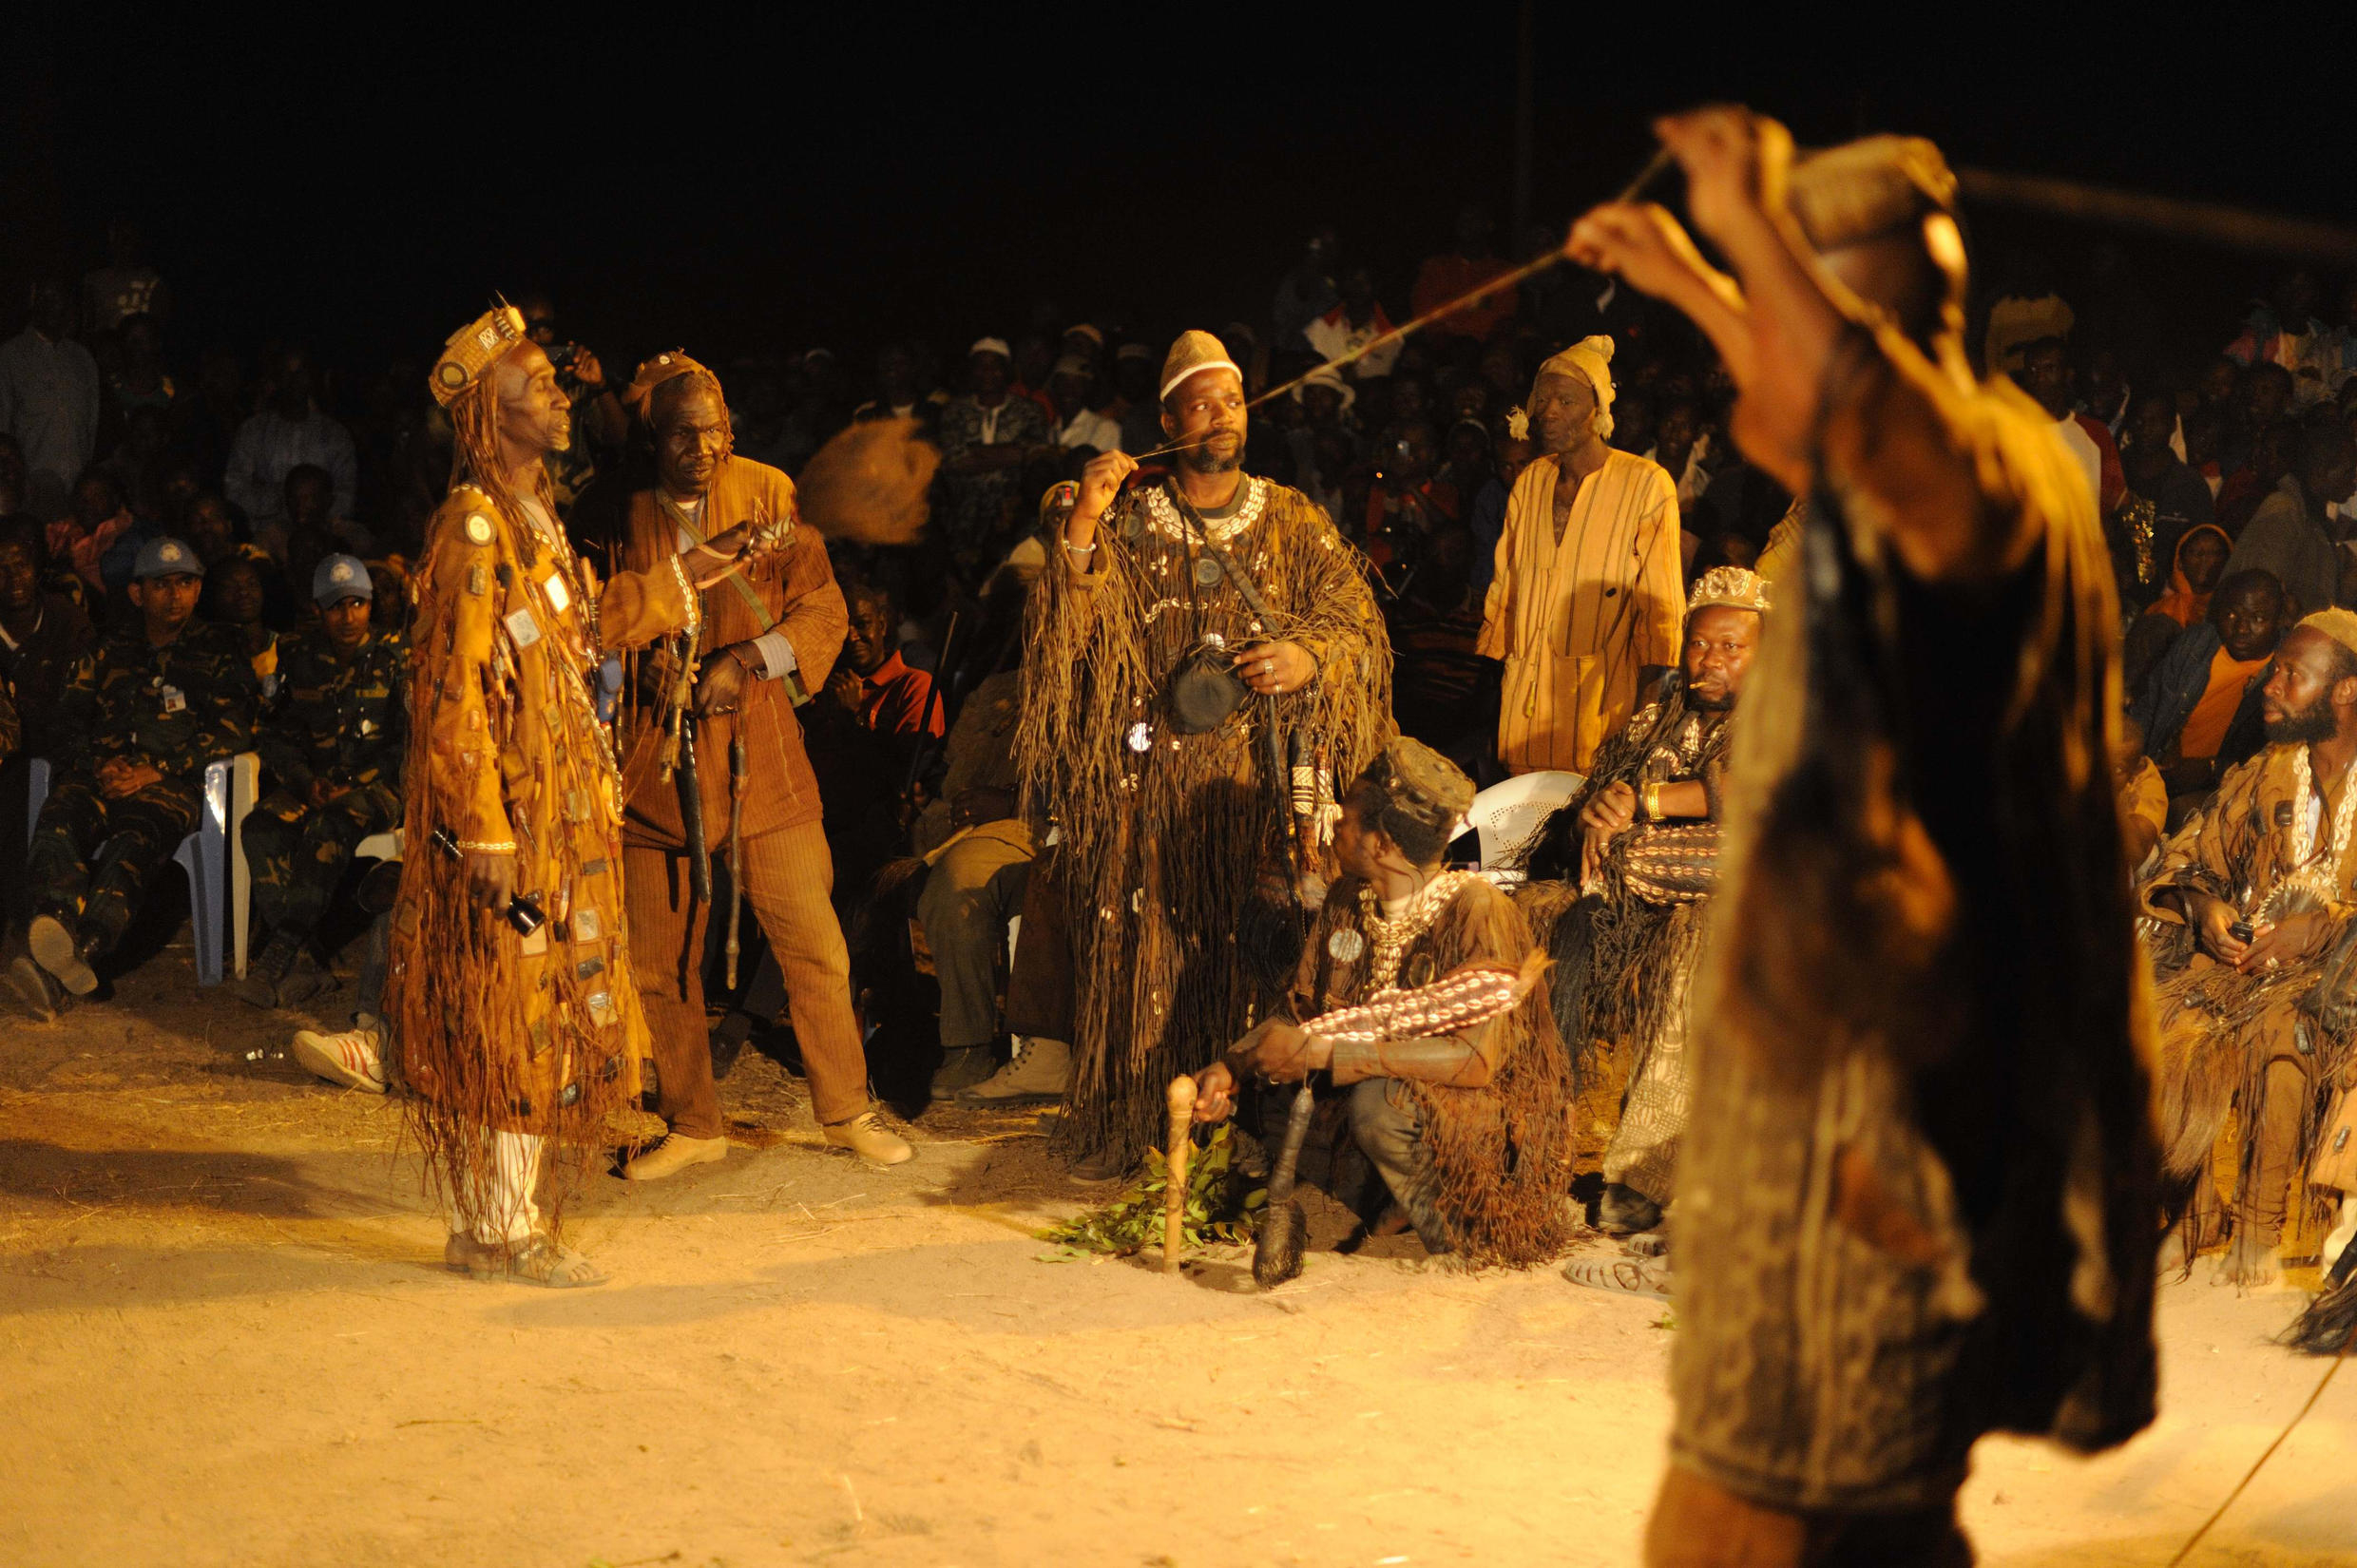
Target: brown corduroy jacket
{"x":799,"y":590}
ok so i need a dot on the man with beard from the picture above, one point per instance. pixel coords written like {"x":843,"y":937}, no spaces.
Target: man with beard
{"x":1916,"y":1193}
{"x":2252,"y":896}
{"x":1590,"y":587}
{"x":1204,"y":639}
{"x":509,"y":993}
{"x":1640,"y":842}
{"x":732,"y":681}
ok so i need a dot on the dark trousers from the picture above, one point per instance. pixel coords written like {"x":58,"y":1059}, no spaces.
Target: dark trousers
{"x":296,"y":852}
{"x":92,"y":858}
{"x":1698,"y":1523}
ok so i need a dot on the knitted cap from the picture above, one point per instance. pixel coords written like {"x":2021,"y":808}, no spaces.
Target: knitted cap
{"x":1590,"y":359}
{"x":2336,"y":624}
{"x":1194,"y":353}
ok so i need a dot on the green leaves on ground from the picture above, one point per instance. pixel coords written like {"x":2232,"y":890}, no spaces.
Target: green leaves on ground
{"x":1223,"y":1202}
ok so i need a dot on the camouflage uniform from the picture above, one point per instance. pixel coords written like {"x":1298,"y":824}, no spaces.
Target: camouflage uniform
{"x":341,"y":721}
{"x":177,"y":708}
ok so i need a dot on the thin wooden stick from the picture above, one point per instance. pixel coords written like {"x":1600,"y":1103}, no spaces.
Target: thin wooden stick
{"x":1175,"y":1162}
{"x":1635,"y":187}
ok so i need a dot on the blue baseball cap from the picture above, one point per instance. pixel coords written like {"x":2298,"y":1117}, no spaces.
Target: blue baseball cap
{"x":165,"y":557}
{"x":338,"y":577}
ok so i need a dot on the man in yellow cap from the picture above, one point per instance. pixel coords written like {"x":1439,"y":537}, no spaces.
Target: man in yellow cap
{"x":2252,"y":894}
{"x":509,"y":994}
{"x":1200,"y":650}
{"x":1589,"y":591}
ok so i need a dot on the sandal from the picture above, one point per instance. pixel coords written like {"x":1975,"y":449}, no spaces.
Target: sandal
{"x":1626,"y":1275}
{"x":536,"y":1261}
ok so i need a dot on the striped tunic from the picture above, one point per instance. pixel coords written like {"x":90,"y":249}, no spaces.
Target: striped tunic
{"x":1575,"y":618}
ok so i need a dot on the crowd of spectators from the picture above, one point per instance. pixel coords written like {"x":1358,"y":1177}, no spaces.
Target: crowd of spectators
{"x":2222,"y":484}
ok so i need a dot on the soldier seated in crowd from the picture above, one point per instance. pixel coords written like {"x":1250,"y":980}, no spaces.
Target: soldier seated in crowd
{"x":158,"y":701}
{"x":42,"y":636}
{"x":334,"y":744}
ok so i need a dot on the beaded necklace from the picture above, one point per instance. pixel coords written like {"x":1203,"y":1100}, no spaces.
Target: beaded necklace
{"x":2310,"y":871}
{"x":1389,"y":939}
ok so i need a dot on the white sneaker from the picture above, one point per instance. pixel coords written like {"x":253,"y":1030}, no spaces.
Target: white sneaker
{"x":1036,"y":1073}
{"x":348,"y":1059}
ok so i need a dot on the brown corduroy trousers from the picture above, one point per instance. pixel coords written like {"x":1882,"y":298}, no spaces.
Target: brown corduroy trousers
{"x":788,"y":877}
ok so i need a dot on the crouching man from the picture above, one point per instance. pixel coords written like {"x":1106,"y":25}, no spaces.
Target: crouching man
{"x":1466,"y":1120}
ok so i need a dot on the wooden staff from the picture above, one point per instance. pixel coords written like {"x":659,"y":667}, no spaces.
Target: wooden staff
{"x":1181,"y":1148}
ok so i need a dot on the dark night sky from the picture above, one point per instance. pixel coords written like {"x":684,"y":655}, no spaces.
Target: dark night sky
{"x":793,"y":176}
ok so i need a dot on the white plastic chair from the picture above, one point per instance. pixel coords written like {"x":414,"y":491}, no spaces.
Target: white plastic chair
{"x":1506,"y":815}
{"x":203,"y":854}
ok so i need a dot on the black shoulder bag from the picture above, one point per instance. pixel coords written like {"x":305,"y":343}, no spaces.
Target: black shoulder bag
{"x":1202,"y":689}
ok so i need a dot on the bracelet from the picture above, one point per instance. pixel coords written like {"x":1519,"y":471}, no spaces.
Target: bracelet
{"x":1089,"y":548}
{"x":1651,"y":799}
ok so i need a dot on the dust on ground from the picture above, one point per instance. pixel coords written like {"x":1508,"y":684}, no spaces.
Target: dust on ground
{"x":226,"y":1337}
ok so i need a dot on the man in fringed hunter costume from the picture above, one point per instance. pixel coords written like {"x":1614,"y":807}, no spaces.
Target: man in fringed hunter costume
{"x":510,"y":994}
{"x":1917,"y":1193}
{"x":1203,"y":638}
{"x":1640,"y":846}
{"x":1462,"y":1116}
{"x":2250,"y":897}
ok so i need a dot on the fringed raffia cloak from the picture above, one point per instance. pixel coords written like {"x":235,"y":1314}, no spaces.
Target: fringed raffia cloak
{"x":1496,"y":1160}
{"x":1175,"y":847}
{"x":496,"y":1029}
{"x":1616,"y":955}
{"x":1916,"y":1196}
{"x":2220,"y":1030}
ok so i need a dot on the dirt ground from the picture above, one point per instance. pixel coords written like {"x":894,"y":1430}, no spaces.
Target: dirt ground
{"x":226,"y":1337}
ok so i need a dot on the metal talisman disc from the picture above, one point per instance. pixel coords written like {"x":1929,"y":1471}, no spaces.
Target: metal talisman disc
{"x":1207,"y":573}
{"x":1133,"y":524}
{"x":1346,"y":945}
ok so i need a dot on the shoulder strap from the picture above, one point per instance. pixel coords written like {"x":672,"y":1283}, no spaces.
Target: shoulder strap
{"x":1235,"y":573}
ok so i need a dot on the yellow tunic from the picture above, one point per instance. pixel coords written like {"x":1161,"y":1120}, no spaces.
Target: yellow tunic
{"x":1575,"y":618}
{"x":534,"y":1032}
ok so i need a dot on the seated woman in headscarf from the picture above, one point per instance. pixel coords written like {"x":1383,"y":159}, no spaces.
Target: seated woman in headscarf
{"x":2201,"y":561}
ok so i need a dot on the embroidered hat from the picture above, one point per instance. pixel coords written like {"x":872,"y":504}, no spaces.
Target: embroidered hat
{"x":1194,"y":353}
{"x":1734,"y":589}
{"x":473,"y":349}
{"x":638,"y":397}
{"x":338,"y":577}
{"x":1590,"y":359}
{"x":165,"y":557}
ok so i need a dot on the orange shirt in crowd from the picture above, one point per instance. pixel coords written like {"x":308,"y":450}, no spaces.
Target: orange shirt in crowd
{"x":2205,"y":731}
